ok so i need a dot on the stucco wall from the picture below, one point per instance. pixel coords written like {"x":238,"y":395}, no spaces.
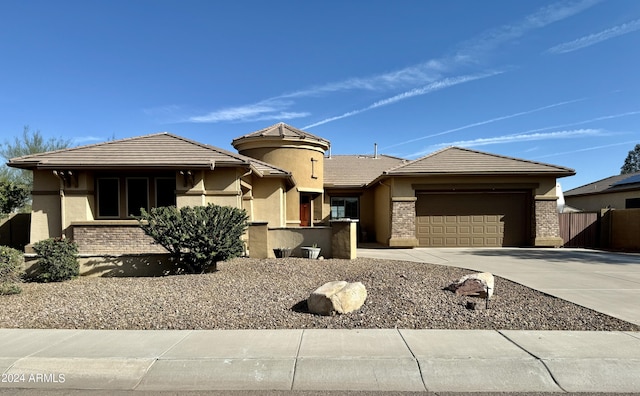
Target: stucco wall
{"x":593,"y":203}
{"x":382,"y":212}
{"x":268,"y":201}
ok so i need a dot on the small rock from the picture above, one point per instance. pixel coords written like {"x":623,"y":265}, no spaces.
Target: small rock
{"x":474,"y":285}
{"x":337,"y":296}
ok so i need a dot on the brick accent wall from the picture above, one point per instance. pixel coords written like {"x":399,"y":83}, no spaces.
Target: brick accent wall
{"x":403,"y":219}
{"x":546,"y":224}
{"x":114,"y":240}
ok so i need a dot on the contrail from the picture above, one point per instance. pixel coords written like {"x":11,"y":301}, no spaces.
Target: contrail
{"x":595,"y":38}
{"x":445,"y":83}
{"x":521,"y":113}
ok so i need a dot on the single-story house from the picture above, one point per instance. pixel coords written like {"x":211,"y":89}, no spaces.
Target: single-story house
{"x":287,"y":178}
{"x":615,"y":192}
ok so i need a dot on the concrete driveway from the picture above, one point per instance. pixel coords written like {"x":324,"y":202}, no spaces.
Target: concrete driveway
{"x":603,"y":281}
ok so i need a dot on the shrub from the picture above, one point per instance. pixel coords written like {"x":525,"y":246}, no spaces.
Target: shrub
{"x":11,"y":270}
{"x":57,"y":260}
{"x":199,"y":236}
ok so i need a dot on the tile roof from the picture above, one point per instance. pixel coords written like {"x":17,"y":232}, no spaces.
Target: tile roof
{"x":161,"y":150}
{"x":356,"y":170}
{"x":610,"y":184}
{"x":281,"y":131}
{"x":457,"y":160}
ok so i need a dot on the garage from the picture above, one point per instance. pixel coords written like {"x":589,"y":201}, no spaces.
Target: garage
{"x":473,"y":219}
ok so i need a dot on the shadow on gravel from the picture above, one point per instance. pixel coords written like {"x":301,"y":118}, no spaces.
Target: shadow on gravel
{"x":301,"y":307}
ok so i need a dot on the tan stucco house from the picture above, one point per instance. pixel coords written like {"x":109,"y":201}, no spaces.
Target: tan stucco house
{"x":615,"y":192}
{"x":287,"y":178}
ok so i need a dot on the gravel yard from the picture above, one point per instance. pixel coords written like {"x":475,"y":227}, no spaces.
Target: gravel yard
{"x":269,"y":294}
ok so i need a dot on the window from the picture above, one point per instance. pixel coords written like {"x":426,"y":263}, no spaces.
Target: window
{"x":121,"y":197}
{"x":137,"y":195}
{"x":632,"y":203}
{"x":344,"y":207}
{"x":108,"y":197}
{"x":165,"y":191}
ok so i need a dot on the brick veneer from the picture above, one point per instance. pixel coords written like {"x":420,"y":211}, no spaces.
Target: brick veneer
{"x":114,"y":239}
{"x":403,"y":222}
{"x":547,"y":226}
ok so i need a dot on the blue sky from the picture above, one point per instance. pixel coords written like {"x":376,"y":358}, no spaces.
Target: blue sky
{"x":550,"y":81}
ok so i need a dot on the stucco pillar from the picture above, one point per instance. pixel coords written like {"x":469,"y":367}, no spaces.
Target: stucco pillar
{"x":403,"y":222}
{"x":344,"y":239}
{"x":258,"y":240}
{"x":547,"y":226}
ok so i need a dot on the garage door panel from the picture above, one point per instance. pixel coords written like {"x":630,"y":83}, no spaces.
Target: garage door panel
{"x":473,"y":219}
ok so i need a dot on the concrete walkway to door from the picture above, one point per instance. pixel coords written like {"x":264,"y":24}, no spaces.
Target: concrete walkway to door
{"x":603,"y":281}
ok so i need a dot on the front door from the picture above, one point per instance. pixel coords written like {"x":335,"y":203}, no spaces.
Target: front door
{"x":305,"y":211}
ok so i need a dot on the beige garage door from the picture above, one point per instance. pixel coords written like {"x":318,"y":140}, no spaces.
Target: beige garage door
{"x":473,"y":219}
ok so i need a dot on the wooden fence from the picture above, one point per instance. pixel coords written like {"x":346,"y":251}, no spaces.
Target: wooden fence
{"x":580,"y":229}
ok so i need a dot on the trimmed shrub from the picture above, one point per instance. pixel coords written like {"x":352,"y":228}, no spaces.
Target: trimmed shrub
{"x":11,"y":270}
{"x":199,"y":236}
{"x":57,"y":260}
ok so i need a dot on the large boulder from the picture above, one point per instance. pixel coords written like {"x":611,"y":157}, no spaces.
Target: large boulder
{"x":337,"y":296}
{"x":474,"y":285}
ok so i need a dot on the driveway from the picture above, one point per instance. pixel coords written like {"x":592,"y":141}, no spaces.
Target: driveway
{"x":603,"y":281}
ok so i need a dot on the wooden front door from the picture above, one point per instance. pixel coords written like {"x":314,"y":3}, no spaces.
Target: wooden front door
{"x":305,"y":214}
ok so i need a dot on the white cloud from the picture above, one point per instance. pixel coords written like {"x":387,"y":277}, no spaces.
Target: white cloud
{"x":595,"y":38}
{"x":265,"y":110}
{"x":514,"y":139}
{"x":445,"y":83}
{"x":490,"y":121}
{"x":429,"y":72}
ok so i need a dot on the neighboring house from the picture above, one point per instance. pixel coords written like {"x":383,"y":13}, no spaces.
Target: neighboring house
{"x":454,"y":197}
{"x":615,"y":192}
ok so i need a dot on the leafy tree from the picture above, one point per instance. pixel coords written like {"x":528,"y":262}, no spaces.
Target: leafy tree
{"x":30,"y":142}
{"x":632,"y":162}
{"x":12,"y":197}
{"x":199,"y":236}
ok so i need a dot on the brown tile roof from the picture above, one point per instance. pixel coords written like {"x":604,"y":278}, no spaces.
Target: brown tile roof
{"x":610,"y":184}
{"x":356,"y":170}
{"x":456,"y":160}
{"x":281,"y":131}
{"x":161,"y":151}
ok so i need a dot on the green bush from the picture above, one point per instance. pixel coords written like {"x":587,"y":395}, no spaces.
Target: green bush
{"x":57,"y":260}
{"x":199,"y":236}
{"x":11,"y":270}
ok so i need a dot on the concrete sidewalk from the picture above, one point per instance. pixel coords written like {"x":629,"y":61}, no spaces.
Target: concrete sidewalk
{"x":603,"y":281}
{"x":322,"y":360}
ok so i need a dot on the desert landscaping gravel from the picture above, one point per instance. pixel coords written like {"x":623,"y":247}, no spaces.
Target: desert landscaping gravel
{"x":270,"y":294}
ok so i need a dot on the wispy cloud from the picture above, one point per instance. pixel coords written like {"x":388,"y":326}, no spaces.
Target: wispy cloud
{"x":265,"y":110}
{"x":445,"y":83}
{"x":87,"y":139}
{"x":588,"y":149}
{"x":485,"y":122}
{"x":420,"y":76}
{"x":595,"y":38}
{"x":514,"y":139}
{"x":589,"y":121}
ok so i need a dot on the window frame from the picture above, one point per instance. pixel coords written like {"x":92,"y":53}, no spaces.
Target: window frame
{"x":127,"y":191}
{"x":344,"y":206}
{"x":98,"y":197}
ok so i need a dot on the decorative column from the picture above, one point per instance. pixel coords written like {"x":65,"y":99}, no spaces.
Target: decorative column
{"x":403,"y":222}
{"x":547,"y":226}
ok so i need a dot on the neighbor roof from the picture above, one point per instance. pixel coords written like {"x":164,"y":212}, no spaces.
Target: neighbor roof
{"x":615,"y":183}
{"x":356,"y":170}
{"x":281,"y":131}
{"x":462,"y":161}
{"x":161,"y":150}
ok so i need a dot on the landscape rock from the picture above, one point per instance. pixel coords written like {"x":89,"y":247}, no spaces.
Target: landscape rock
{"x":474,"y":285}
{"x":337,"y":297}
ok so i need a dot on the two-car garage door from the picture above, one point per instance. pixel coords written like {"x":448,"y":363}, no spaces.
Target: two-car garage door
{"x":473,"y":219}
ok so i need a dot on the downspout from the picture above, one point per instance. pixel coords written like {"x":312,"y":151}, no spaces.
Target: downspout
{"x":61,"y":177}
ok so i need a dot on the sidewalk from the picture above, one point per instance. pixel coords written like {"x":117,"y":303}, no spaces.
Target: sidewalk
{"x":322,"y":360}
